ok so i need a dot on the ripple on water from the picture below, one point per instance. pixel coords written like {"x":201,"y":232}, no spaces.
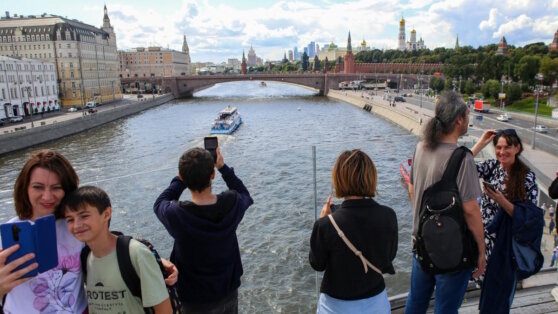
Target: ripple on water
{"x":134,"y":159}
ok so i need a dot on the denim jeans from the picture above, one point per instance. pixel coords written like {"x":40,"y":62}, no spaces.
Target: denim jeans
{"x":378,"y":304}
{"x":450,"y":289}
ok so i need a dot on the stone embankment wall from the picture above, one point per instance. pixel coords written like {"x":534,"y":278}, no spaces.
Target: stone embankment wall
{"x":408,"y":121}
{"x":30,"y":137}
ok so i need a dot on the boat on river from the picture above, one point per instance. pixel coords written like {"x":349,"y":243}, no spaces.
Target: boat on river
{"x":405,"y":170}
{"x":263,"y":84}
{"x":227,"y":121}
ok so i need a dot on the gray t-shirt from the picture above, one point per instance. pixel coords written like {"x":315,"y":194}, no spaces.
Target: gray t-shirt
{"x":428,"y":168}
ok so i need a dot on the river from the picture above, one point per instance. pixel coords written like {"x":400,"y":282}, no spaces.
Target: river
{"x":135,"y":158}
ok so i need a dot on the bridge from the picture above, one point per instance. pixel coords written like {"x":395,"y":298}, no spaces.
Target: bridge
{"x":186,"y":86}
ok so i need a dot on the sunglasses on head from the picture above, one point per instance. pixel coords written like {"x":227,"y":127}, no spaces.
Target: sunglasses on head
{"x":507,"y":132}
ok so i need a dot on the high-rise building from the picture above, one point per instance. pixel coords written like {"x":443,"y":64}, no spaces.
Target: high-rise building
{"x":311,"y":49}
{"x":295,"y":53}
{"x":306,"y":50}
{"x":28,"y":86}
{"x":401,"y":37}
{"x":155,"y":62}
{"x":85,"y":56}
{"x":252,"y":58}
{"x":291,"y":56}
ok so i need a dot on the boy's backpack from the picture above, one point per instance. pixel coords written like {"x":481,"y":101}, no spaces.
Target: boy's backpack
{"x":128,"y":272}
{"x":443,"y":241}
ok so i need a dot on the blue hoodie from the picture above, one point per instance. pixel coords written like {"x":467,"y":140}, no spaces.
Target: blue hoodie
{"x":205,"y":249}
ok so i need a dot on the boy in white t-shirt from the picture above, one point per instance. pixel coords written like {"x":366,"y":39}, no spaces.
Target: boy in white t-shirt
{"x":88,"y":213}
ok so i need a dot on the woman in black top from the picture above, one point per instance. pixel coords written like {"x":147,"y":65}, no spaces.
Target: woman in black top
{"x":349,"y":284}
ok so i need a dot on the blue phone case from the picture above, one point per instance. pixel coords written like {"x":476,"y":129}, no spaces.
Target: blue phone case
{"x":45,"y":239}
{"x":39,"y":238}
{"x":21,"y":233}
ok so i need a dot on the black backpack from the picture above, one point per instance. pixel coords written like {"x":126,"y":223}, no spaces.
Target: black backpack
{"x":443,"y":242}
{"x":129,"y":274}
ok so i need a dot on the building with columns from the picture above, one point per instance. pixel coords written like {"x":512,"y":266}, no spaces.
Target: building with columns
{"x":85,"y":56}
{"x":155,"y":62}
{"x":27,"y":86}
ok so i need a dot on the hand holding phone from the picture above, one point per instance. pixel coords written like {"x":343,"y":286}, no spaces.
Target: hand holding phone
{"x":210,"y":143}
{"x":489,"y":186}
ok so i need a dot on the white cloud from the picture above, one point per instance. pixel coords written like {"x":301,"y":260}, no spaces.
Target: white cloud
{"x":491,"y":22}
{"x":519,"y":23}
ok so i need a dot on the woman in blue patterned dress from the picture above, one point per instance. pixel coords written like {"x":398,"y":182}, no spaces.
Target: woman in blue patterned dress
{"x":512,"y":179}
{"x":510,"y":191}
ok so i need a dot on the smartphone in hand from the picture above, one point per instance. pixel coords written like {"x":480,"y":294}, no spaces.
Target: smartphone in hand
{"x":210,"y":143}
{"x":20,"y":233}
{"x":489,"y":186}
{"x":38,"y":238}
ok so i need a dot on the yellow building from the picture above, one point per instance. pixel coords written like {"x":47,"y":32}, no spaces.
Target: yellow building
{"x":85,"y":56}
{"x":332,"y":52}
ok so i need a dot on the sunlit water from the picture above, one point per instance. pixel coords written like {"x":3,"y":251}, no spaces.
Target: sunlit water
{"x":135,"y":158}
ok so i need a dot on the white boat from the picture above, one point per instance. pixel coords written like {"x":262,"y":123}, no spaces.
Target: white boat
{"x":263,"y":84}
{"x":227,"y":122}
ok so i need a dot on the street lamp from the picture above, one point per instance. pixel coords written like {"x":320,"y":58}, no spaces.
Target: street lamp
{"x":539,"y":77}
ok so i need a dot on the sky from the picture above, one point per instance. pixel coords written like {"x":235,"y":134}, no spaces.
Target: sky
{"x":220,"y":29}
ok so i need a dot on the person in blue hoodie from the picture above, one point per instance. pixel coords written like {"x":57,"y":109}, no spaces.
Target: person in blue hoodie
{"x":205,"y":249}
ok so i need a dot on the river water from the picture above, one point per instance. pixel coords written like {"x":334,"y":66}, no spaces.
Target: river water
{"x":135,"y":158}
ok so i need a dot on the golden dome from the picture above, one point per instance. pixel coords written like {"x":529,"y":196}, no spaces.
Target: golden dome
{"x":363,"y":43}
{"x":402,"y":21}
{"x":413,"y":31}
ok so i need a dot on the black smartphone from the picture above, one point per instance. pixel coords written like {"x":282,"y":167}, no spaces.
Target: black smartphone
{"x":210,"y":143}
{"x":489,"y":186}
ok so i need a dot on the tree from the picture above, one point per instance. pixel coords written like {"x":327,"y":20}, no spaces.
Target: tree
{"x":304,"y":61}
{"x":436,"y":84}
{"x":549,"y":69}
{"x":513,"y":92}
{"x":491,"y":89}
{"x":469,"y":87}
{"x":316,"y":63}
{"x":527,"y":68}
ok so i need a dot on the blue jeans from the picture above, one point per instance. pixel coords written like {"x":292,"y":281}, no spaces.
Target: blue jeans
{"x":450,"y":289}
{"x":378,"y":304}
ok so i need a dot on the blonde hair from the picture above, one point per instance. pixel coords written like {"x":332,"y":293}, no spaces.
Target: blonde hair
{"x":354,"y":174}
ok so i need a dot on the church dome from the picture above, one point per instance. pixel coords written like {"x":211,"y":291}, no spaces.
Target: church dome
{"x":413,"y":31}
{"x":363,"y":43}
{"x":402,"y":21}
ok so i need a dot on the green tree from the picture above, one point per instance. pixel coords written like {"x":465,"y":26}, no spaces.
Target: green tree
{"x":436,"y":84}
{"x":469,"y":87}
{"x":305,"y":61}
{"x":316,"y":63}
{"x":549,"y":69}
{"x":513,"y":92}
{"x":527,"y":68}
{"x":491,"y":89}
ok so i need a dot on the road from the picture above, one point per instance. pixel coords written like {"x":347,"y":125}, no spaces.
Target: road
{"x":546,"y":142}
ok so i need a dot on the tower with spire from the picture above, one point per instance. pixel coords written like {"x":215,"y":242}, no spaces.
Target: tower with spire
{"x":243,"y":65}
{"x":108,"y":28}
{"x":349,"y":57}
{"x":457,"y":42}
{"x":186,"y":51}
{"x":401,"y":37}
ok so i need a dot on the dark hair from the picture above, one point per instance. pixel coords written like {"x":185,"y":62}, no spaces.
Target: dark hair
{"x":515,"y":178}
{"x":52,"y":161}
{"x":354,"y":174}
{"x":87,"y":195}
{"x":195,"y":167}
{"x":450,"y":106}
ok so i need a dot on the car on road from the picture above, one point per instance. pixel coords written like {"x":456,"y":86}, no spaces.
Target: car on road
{"x":503,"y":117}
{"x":399,"y":98}
{"x":140,"y":96}
{"x":90,"y":104}
{"x":1,"y":122}
{"x":540,"y":128}
{"x":16,"y":119}
{"x":73,"y":109}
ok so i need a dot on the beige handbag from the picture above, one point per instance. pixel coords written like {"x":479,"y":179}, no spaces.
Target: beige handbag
{"x":358,"y":253}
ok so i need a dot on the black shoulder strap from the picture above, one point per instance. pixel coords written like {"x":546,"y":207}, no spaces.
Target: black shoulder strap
{"x":127,"y":270}
{"x":83,"y":259}
{"x":454,"y":163}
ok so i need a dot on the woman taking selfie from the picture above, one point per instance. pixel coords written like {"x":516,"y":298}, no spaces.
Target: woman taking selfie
{"x":46,"y":178}
{"x":353,"y":265}
{"x":509,"y":200}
